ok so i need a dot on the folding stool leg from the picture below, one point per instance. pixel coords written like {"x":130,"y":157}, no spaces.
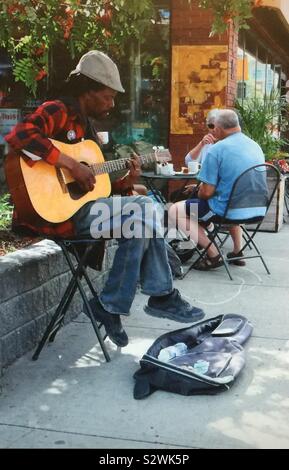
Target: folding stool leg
{"x":57,"y":318}
{"x":77,"y":274}
{"x":61,"y":310}
{"x":81,"y":263}
{"x":94,"y":293}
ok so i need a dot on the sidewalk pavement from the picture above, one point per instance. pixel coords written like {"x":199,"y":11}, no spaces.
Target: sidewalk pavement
{"x":71,"y":398}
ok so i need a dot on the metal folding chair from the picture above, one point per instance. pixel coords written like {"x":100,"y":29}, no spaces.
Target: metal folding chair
{"x":253,"y":189}
{"x":82,"y":250}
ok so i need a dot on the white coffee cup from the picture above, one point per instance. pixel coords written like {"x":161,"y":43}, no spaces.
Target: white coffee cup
{"x":164,"y":170}
{"x":103,"y":137}
{"x":158,"y":168}
{"x":194,"y":167}
{"x":171,"y":170}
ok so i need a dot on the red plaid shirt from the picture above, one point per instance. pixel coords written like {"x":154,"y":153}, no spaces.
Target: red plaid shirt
{"x":53,"y":119}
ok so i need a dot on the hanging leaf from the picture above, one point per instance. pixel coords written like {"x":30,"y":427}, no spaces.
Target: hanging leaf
{"x":228,"y":11}
{"x":26,"y":26}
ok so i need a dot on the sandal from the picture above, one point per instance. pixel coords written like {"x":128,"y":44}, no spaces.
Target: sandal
{"x":237,"y":262}
{"x":209,"y":263}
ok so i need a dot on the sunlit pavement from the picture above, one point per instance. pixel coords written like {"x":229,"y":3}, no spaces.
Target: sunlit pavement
{"x":71,"y":397}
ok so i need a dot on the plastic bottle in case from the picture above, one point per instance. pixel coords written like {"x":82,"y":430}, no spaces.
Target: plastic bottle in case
{"x":178,"y":349}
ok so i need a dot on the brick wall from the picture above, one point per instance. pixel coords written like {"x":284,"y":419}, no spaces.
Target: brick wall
{"x":232,"y":69}
{"x":190,"y":26}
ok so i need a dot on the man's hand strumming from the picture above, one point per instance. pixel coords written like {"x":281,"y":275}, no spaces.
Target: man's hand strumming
{"x":83,"y":176}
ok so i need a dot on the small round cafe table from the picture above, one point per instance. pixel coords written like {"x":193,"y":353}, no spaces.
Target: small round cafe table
{"x":158,"y":184}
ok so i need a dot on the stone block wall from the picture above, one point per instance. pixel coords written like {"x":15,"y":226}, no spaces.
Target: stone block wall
{"x":32,"y":282}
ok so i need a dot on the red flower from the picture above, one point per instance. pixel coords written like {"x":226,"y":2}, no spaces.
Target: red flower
{"x":105,"y":15}
{"x":107,"y":33}
{"x":41,"y":74}
{"x":40,"y":50}
{"x":14,"y":8}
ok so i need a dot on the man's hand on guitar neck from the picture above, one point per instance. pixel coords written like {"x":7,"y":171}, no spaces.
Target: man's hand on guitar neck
{"x":134,"y":166}
{"x":81,"y":173}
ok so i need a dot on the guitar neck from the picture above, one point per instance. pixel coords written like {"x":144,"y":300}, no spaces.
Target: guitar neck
{"x":121,"y":164}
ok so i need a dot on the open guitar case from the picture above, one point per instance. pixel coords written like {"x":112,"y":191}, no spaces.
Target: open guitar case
{"x":213,"y":360}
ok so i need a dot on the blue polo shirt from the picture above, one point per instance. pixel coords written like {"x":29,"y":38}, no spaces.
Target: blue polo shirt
{"x":225,"y":161}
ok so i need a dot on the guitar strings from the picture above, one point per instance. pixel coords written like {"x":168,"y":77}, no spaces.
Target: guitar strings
{"x":107,"y":167}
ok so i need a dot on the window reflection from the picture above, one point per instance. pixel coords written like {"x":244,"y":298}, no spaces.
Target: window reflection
{"x":261,"y":69}
{"x":257,"y":74}
{"x":143,"y":112}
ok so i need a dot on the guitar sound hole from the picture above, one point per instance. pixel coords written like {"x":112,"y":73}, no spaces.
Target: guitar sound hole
{"x":75,"y":191}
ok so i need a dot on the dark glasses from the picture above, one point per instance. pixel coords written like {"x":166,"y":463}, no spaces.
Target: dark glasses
{"x":211,"y":126}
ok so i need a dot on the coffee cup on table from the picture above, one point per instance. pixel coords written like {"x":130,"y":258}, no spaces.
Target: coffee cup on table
{"x":166,"y":169}
{"x":171,"y":170}
{"x":194,"y":167}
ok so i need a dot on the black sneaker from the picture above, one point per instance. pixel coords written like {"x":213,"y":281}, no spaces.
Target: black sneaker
{"x":174,"y":308}
{"x":111,"y":322}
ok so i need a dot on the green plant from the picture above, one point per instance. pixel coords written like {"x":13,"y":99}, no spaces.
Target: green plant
{"x":5,"y":212}
{"x":159,"y":67}
{"x":31,"y":29}
{"x":228,"y":11}
{"x":263,"y":119}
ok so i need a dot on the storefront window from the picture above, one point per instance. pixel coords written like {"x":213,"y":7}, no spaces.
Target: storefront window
{"x":247,"y":69}
{"x":142,"y":113}
{"x":270,"y":79}
{"x":261,"y":70}
{"x":257,"y":75}
{"x":15,"y":101}
{"x":10,"y":112}
{"x":5,"y":78}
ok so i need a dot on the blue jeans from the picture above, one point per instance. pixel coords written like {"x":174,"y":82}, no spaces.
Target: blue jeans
{"x":137,"y":259}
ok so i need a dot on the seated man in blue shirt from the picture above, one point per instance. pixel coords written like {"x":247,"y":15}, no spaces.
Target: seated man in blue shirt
{"x":226,"y":160}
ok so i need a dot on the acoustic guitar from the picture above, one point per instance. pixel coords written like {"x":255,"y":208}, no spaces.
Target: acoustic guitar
{"x":52,"y":192}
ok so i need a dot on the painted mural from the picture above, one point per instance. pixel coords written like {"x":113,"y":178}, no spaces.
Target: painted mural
{"x":199,"y":80}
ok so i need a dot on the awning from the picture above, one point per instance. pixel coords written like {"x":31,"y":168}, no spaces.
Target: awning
{"x":281,"y":7}
{"x":271,"y":25}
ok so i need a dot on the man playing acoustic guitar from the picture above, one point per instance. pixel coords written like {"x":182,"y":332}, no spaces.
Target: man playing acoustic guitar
{"x":91,"y":89}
